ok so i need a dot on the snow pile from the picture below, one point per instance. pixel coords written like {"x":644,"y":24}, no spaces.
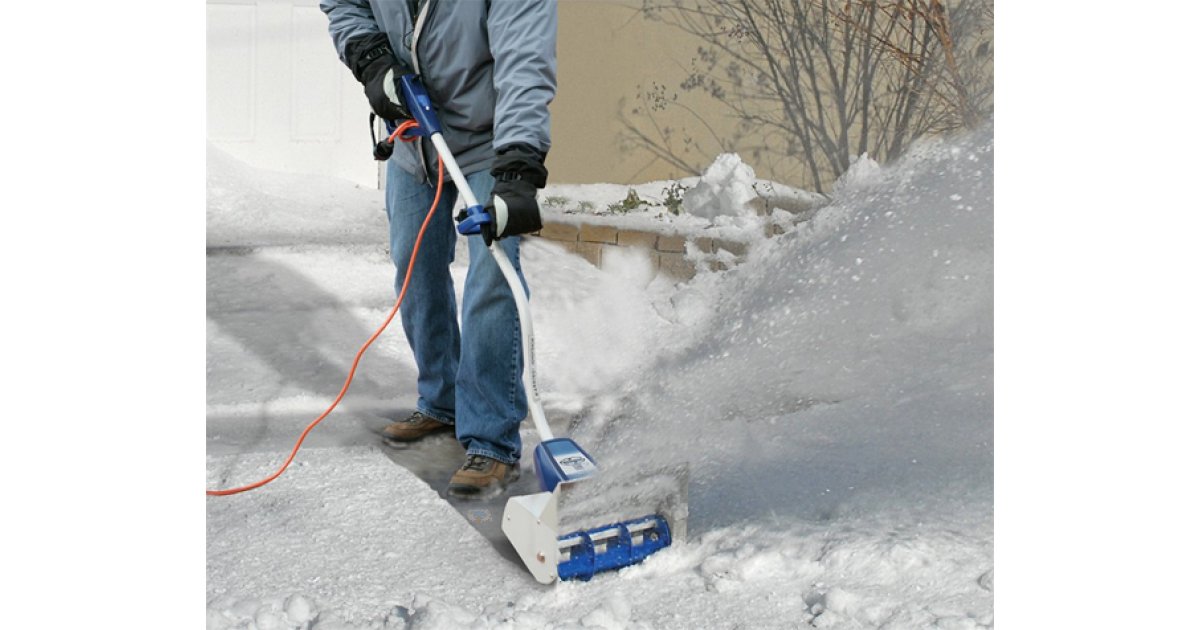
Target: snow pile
{"x":856,"y":349}
{"x":250,"y":206}
{"x":843,"y":372}
{"x":726,"y":203}
{"x":832,"y":396}
{"x":293,"y":611}
{"x":863,"y":172}
{"x":725,"y":189}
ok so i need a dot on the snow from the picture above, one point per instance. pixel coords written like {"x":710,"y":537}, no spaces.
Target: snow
{"x":863,"y":172}
{"x":725,"y":189}
{"x":832,"y":396}
{"x":726,"y":201}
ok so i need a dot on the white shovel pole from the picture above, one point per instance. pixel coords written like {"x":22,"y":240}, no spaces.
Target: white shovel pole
{"x":514,"y":283}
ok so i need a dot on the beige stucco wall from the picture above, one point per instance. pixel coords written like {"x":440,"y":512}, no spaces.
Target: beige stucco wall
{"x":605,"y":50}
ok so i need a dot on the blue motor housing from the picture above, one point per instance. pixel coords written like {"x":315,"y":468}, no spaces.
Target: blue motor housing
{"x":561,"y":460}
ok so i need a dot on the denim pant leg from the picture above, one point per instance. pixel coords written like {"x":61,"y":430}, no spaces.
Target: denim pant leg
{"x":429,"y":312}
{"x":491,"y":396}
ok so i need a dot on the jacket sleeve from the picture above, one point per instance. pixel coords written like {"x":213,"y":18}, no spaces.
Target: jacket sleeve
{"x":522,"y":35}
{"x":348,"y":19}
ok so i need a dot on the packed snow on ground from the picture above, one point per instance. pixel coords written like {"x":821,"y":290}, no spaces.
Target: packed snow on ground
{"x":832,"y":396}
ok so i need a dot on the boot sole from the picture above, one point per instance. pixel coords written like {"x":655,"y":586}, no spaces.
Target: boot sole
{"x":396,"y":442}
{"x":476,"y":493}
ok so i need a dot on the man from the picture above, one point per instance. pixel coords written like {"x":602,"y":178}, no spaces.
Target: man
{"x":489,"y":67}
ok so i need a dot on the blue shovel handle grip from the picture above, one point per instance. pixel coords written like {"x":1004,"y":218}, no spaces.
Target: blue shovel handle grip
{"x":420,"y":105}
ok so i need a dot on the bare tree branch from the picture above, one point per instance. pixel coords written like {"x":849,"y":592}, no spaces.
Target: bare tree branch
{"x":819,"y":82}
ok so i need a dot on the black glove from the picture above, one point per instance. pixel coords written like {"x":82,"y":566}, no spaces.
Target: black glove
{"x":519,"y":172}
{"x":375,"y":65}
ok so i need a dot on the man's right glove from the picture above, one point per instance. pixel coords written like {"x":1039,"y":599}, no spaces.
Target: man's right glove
{"x":374,"y":64}
{"x":519,"y":172}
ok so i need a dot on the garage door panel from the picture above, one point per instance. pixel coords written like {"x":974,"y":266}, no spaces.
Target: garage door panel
{"x":279,"y":97}
{"x":316,"y":73}
{"x":230,"y":72}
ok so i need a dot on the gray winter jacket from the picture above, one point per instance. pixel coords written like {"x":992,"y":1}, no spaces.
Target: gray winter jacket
{"x":489,"y":66}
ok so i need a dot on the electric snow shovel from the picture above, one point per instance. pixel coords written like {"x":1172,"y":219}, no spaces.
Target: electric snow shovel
{"x":532,"y":522}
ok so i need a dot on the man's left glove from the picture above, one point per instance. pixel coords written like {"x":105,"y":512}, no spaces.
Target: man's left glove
{"x":375,"y":65}
{"x":519,"y":173}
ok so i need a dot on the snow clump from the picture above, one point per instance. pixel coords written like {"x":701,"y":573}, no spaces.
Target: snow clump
{"x":725,"y":189}
{"x":863,"y":173}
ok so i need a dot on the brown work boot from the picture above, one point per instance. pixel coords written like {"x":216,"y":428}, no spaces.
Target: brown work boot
{"x":413,"y":428}
{"x":481,"y":478}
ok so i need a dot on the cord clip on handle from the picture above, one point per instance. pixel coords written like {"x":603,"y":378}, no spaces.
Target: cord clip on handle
{"x":382,"y":148}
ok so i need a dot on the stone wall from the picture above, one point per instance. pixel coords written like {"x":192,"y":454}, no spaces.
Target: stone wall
{"x":666,"y":250}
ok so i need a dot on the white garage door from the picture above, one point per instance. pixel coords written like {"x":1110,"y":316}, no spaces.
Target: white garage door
{"x":278,"y":97}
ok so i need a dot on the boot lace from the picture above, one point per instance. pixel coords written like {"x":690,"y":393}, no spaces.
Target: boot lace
{"x":478,"y":463}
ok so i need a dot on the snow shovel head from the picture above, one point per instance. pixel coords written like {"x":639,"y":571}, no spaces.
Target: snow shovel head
{"x":599,"y":535}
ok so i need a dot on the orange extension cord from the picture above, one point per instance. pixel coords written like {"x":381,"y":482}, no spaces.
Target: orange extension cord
{"x":397,"y":134}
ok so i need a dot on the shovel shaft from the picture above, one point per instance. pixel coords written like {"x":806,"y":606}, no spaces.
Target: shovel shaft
{"x":456,"y":174}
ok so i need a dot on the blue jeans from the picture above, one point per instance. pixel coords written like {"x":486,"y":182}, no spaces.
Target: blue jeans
{"x":471,"y":379}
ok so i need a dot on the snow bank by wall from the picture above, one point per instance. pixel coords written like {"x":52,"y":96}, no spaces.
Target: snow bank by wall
{"x":251,"y":206}
{"x":855,"y":350}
